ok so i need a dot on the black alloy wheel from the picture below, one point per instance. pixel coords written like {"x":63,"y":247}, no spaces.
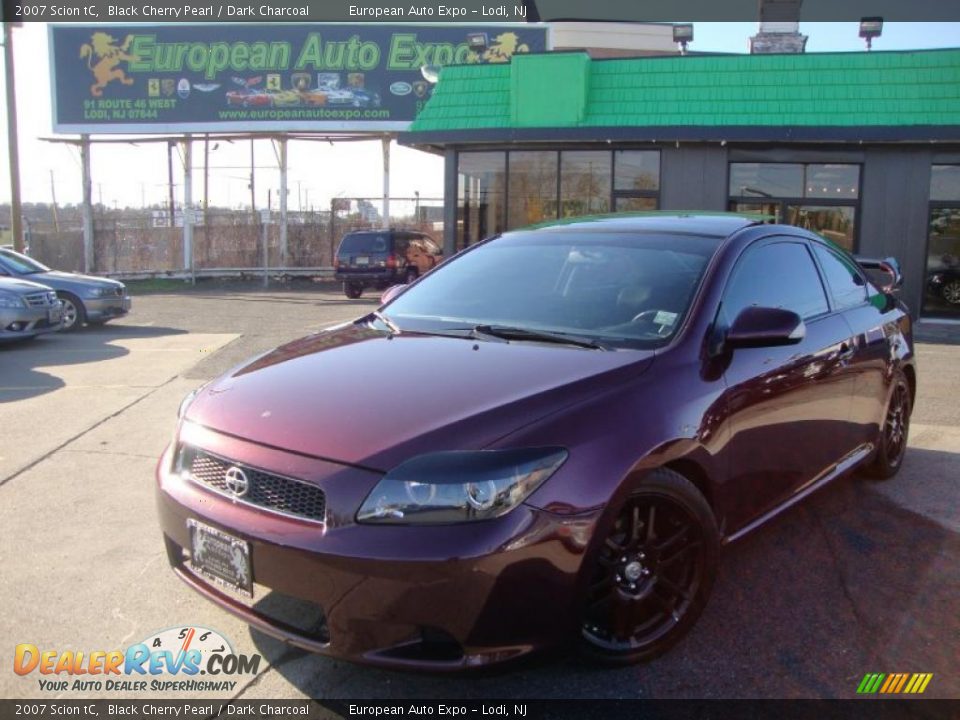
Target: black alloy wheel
{"x":653,"y":573}
{"x":894,"y":433}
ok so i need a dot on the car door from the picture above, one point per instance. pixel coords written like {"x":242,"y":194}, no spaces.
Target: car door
{"x":787,"y":407}
{"x":871,"y":327}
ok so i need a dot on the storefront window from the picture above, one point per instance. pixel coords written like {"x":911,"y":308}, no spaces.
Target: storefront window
{"x":941,"y":296}
{"x":636,"y":170}
{"x":766,"y":180}
{"x":634,"y":204}
{"x":533,"y":187}
{"x":833,"y":181}
{"x":945,"y":183}
{"x":584,"y":183}
{"x":781,"y":189}
{"x":834,"y":223}
{"x":481,"y":192}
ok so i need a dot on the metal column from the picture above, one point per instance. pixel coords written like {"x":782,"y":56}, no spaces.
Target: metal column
{"x":385,"y":208}
{"x":188,"y":204}
{"x":87,"y":204}
{"x":283,"y":202}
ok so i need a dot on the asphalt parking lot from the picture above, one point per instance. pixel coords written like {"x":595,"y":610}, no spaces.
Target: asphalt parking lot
{"x":863,"y":577}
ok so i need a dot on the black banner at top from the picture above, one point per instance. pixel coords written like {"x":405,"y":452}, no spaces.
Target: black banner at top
{"x":471,"y":11}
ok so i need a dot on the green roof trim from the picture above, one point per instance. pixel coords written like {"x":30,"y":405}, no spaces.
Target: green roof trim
{"x":569,"y":90}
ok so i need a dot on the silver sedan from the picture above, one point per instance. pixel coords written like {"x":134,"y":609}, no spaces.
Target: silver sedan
{"x":86,"y":299}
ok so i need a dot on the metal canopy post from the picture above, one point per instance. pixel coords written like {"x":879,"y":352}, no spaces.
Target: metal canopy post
{"x":188,"y":204}
{"x":87,"y":204}
{"x":283,"y":201}
{"x":385,"y":209}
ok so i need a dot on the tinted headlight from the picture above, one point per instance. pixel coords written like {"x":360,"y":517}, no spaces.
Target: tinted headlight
{"x":454,"y":487}
{"x":97,"y":292}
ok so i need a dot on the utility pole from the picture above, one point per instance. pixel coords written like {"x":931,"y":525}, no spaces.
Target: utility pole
{"x":16,"y":229}
{"x":172,"y":200}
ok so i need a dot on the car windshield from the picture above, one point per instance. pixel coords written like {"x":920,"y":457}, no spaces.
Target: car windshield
{"x":621,"y":290}
{"x":21,"y":264}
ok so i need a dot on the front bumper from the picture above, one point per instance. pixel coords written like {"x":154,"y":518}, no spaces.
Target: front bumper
{"x":437,"y":598}
{"x":23,"y":323}
{"x":106,"y":308}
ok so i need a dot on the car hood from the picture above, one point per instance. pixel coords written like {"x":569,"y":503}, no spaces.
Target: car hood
{"x":359,"y":396}
{"x":58,"y":277}
{"x":21,"y":287}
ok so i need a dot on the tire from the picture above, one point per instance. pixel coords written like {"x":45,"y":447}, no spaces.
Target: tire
{"x":410,"y":276}
{"x":951,"y":292}
{"x":352,"y":290}
{"x":646,"y":592}
{"x":74,"y":313}
{"x":894,"y":432}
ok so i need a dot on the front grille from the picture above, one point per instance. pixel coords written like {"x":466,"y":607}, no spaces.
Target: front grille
{"x":41,"y":299}
{"x":271,"y":492}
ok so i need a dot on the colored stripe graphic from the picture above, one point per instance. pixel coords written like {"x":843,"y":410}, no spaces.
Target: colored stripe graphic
{"x":894,"y":683}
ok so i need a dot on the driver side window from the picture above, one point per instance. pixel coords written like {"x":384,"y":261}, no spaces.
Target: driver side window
{"x":778,"y":275}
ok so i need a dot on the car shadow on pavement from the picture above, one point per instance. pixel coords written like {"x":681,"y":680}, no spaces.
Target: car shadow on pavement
{"x":20,"y":362}
{"x":846,"y":583}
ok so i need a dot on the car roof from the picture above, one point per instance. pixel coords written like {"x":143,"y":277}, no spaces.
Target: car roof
{"x":719,"y":225}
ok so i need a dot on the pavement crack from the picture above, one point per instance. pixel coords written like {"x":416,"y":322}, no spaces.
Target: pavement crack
{"x":285,"y":658}
{"x":841,"y":576}
{"x":65,"y":443}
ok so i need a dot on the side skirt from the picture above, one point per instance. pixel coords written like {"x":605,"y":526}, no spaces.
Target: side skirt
{"x":841,"y":468}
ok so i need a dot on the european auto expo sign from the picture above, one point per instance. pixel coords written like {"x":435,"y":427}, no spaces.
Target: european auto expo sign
{"x":198,"y":78}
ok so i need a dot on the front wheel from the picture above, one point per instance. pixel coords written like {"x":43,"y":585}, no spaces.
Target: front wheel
{"x":951,"y":292}
{"x":653,"y":573}
{"x":74,"y":314}
{"x":892,"y":442}
{"x":352,"y":290}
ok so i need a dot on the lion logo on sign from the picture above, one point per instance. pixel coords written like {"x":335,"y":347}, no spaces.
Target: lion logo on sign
{"x":109,"y":55}
{"x":504,"y":46}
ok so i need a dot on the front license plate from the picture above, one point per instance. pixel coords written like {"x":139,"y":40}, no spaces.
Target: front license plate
{"x":363,"y":261}
{"x":54,"y":315}
{"x":221,"y":557}
{"x":127,"y":303}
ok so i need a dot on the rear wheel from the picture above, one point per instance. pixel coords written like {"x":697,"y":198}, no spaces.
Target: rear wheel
{"x":653,"y":574}
{"x":352,"y":290}
{"x":892,"y":443}
{"x":74,"y":314}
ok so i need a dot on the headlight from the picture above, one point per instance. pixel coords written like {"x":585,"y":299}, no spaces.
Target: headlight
{"x":8,"y":300}
{"x":185,"y":403}
{"x":453,"y":487}
{"x":106,"y":291}
{"x":936,"y":280}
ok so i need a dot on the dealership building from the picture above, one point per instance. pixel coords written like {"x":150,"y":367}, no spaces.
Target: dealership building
{"x":861,"y":147}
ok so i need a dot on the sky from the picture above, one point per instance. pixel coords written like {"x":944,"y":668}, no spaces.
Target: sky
{"x":318,"y":171}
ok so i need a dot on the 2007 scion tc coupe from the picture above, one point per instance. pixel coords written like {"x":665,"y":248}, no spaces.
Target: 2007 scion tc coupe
{"x":546,"y":439}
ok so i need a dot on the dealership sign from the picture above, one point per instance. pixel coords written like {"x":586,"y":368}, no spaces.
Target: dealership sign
{"x":245,"y":77}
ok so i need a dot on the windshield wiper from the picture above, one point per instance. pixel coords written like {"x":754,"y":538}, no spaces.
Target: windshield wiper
{"x":518,"y":333}
{"x":391,"y":325}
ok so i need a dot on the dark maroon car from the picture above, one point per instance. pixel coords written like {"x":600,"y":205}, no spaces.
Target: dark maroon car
{"x":545,"y":440}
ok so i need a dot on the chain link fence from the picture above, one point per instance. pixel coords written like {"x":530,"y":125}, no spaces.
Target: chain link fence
{"x":151,"y":242}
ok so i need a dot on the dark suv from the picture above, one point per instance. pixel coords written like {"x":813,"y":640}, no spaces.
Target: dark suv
{"x":381,"y":258}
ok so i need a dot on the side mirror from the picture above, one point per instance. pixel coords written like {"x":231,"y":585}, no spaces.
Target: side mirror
{"x":390,"y":293}
{"x":765,"y":327}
